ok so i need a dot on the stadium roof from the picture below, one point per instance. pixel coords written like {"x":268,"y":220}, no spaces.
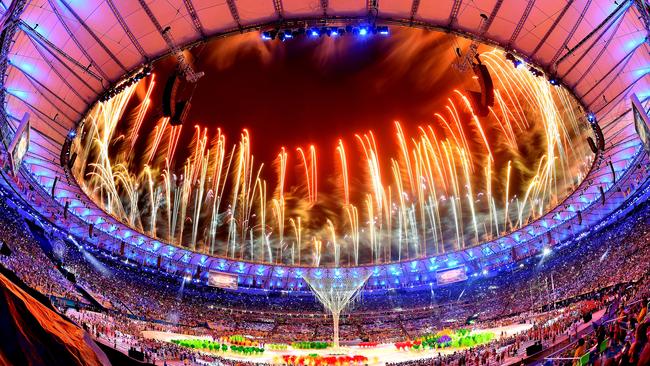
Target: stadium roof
{"x":65,"y":53}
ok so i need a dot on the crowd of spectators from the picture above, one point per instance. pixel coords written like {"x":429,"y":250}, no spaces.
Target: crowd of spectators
{"x":27,"y":260}
{"x":614,"y":258}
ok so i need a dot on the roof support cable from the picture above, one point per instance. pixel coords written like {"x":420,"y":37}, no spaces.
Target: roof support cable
{"x":522,"y":21}
{"x":552,"y":28}
{"x":38,"y":85}
{"x":623,"y":61}
{"x":571,"y":33}
{"x":35,"y":36}
{"x":127,"y":30}
{"x":184,"y":66}
{"x":623,"y":5}
{"x":38,"y":46}
{"x":622,"y":92}
{"x":600,"y":53}
{"x":38,"y":111}
{"x":94,"y":36}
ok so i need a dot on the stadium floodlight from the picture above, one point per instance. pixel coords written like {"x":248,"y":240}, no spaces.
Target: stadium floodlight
{"x":335,"y":293}
{"x":546,"y":251}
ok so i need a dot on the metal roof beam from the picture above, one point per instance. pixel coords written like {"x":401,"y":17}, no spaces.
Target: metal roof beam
{"x":454,"y":12}
{"x":414,"y":9}
{"x":623,"y":61}
{"x":602,"y":51}
{"x":571,"y":33}
{"x":622,"y":92}
{"x":195,"y":17}
{"x":493,"y":14}
{"x":234,"y":12}
{"x":183,"y":65}
{"x":279,"y":8}
{"x":37,"y":37}
{"x":126,"y":29}
{"x":33,"y":81}
{"x":522,"y":21}
{"x":64,"y":80}
{"x":93,"y":35}
{"x":552,"y":28}
{"x":623,"y":4}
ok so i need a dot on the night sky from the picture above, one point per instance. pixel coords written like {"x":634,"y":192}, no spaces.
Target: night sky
{"x":314,"y":91}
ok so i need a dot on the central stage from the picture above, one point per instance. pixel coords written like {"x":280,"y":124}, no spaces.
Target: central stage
{"x":379,"y":355}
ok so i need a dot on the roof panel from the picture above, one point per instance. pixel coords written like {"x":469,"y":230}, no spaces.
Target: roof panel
{"x":538,"y":23}
{"x":505,"y":22}
{"x":469,"y":15}
{"x":438,"y":14}
{"x":293,"y":8}
{"x":214,"y":16}
{"x":347,"y":7}
{"x":398,"y":9}
{"x":142,"y":27}
{"x":255,"y":11}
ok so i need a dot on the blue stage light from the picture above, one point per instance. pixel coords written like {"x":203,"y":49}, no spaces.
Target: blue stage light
{"x":591,"y":117}
{"x":363,"y":31}
{"x":334,"y":33}
{"x":383,"y":30}
{"x":314,"y":33}
{"x":266,"y":36}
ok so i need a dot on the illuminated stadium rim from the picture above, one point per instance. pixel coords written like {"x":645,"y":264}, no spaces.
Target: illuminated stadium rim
{"x":469,"y":257}
{"x":309,"y":23}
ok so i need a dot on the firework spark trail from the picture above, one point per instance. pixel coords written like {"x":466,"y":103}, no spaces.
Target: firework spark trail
{"x":152,"y":201}
{"x":340,"y":149}
{"x":453,"y":112}
{"x":311,"y":177}
{"x":219,"y":184}
{"x":405,"y":155}
{"x":372,"y":237}
{"x":198,"y":200}
{"x":337,"y":245}
{"x":135,"y":131}
{"x":262,"y":202}
{"x":427,"y":156}
{"x":158,"y":135}
{"x":506,"y":213}
{"x":432,"y":193}
{"x":174,"y":136}
{"x":470,"y":195}
{"x":167,"y":183}
{"x":279,"y":203}
{"x":353,"y":222}
{"x":297,"y":231}
{"x":372,"y":160}
{"x":476,"y":122}
{"x":318,"y":247}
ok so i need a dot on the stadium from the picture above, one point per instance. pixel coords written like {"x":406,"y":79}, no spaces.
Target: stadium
{"x":333,"y":182}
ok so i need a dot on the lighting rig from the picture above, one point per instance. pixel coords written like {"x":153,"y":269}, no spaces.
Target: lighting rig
{"x":517,"y":63}
{"x":117,"y":89}
{"x":331,"y":31}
